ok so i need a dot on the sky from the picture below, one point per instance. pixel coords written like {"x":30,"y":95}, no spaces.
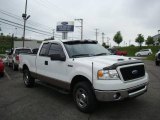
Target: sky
{"x":131,"y":17}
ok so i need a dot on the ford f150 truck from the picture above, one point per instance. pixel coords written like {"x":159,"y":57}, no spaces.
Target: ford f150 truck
{"x":85,"y":69}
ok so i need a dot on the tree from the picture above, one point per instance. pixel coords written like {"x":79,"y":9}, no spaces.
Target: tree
{"x":118,"y":38}
{"x":140,"y":39}
{"x":149,"y":41}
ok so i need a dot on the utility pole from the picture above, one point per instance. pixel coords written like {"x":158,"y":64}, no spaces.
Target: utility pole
{"x":96,"y":34}
{"x":103,"y":37}
{"x":12,"y":46}
{"x":53,"y":33}
{"x":0,"y":28}
{"x":25,"y":17}
{"x":129,"y":42}
{"x":108,"y":39}
{"x":81,"y":21}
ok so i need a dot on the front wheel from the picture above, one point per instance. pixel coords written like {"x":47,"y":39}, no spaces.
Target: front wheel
{"x":84,"y":97}
{"x":29,"y":81}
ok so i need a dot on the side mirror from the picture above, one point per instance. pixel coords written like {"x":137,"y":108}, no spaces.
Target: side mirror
{"x":57,"y":57}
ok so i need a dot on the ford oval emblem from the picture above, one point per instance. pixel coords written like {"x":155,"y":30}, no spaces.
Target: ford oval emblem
{"x":64,"y":23}
{"x":134,"y":72}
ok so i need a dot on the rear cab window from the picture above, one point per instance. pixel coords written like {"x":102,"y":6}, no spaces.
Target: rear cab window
{"x":44,"y":49}
{"x":19,"y":51}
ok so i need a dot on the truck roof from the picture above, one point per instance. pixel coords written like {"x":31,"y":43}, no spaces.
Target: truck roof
{"x":73,"y":41}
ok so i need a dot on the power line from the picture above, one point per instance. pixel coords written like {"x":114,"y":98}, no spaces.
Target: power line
{"x":26,"y":26}
{"x":19,"y":18}
{"x":22,"y":28}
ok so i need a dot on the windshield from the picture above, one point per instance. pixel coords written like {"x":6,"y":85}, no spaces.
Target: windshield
{"x":85,"y":49}
{"x":19,"y":51}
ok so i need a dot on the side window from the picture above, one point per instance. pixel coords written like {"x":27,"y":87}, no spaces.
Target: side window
{"x":44,"y":48}
{"x":55,"y":49}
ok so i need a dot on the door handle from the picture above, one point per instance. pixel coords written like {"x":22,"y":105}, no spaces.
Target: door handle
{"x":45,"y":62}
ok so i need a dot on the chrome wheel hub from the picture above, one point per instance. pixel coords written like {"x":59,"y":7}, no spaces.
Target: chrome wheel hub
{"x":81,"y":98}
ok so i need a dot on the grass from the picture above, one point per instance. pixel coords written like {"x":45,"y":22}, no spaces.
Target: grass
{"x":132,"y":50}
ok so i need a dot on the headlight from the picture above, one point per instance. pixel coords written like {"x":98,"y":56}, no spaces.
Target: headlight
{"x":107,"y":74}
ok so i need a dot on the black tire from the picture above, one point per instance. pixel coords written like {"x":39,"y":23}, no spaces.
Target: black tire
{"x":29,"y":81}
{"x":2,"y":74}
{"x":157,"y":63}
{"x":14,"y":67}
{"x":84,"y":97}
{"x":138,"y":55}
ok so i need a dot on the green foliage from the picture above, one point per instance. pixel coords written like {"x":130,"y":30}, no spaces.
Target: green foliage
{"x":149,"y":41}
{"x":132,"y":50}
{"x":118,"y":38}
{"x":104,"y":45}
{"x":140,"y":39}
{"x":5,"y":43}
{"x":159,"y":40}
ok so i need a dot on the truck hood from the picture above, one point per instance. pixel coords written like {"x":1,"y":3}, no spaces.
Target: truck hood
{"x":103,"y":61}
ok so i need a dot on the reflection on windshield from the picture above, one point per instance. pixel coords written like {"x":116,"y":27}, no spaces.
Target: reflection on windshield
{"x":85,"y":50}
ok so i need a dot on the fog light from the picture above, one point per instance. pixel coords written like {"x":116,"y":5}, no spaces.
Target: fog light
{"x":117,"y":96}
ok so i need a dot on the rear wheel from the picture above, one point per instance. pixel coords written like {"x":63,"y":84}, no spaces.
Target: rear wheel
{"x":138,"y":55}
{"x":29,"y":81}
{"x":84,"y":97}
{"x":1,"y":74}
{"x":157,"y":63}
{"x":14,"y":66}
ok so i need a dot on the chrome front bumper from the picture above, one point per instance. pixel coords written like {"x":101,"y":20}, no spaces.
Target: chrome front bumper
{"x":118,"y":95}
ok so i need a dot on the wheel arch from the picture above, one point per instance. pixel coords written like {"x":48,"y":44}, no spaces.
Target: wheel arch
{"x":25,"y":67}
{"x":78,"y":78}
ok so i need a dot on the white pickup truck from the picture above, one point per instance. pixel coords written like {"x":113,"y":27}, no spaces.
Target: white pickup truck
{"x":85,"y":69}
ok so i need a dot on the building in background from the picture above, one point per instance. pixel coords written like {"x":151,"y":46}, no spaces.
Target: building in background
{"x":155,"y":38}
{"x":28,"y":43}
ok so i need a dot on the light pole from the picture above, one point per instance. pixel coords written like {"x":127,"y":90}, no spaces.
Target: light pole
{"x":81,"y":21}
{"x":96,"y":34}
{"x":25,"y":17}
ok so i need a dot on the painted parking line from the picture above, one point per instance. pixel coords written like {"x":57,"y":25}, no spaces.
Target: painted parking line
{"x":9,"y":78}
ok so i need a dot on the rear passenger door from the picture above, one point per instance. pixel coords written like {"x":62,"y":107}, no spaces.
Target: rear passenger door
{"x":41,"y":61}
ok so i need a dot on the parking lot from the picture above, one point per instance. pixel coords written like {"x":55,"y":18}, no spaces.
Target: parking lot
{"x":46,"y":103}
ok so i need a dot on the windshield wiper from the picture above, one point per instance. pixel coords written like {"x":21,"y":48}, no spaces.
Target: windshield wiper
{"x":78,"y":55}
{"x":100,"y":54}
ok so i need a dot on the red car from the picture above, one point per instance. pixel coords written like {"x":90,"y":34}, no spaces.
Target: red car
{"x":118,"y":52}
{"x":1,"y":67}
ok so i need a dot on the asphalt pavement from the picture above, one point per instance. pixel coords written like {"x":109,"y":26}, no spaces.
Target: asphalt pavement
{"x":46,"y":103}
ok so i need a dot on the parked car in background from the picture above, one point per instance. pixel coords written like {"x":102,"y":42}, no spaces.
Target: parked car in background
{"x":143,"y":52}
{"x":118,"y":52}
{"x":112,"y":51}
{"x":157,"y":58}
{"x":115,"y":51}
{"x":1,"y":67}
{"x":13,"y":56}
{"x":35,"y":50}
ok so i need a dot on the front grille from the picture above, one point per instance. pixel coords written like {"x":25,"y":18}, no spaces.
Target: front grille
{"x":132,"y":72}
